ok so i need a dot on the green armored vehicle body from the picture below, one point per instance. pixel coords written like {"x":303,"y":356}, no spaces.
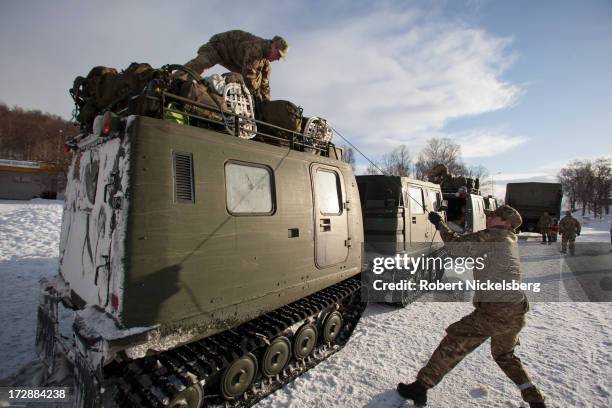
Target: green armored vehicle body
{"x":532,"y":199}
{"x":198,"y":265}
{"x":395,"y":211}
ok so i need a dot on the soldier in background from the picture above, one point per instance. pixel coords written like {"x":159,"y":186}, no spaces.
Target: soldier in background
{"x":569,"y":228}
{"x":244,"y":53}
{"x":499,"y":316}
{"x":545,"y":223}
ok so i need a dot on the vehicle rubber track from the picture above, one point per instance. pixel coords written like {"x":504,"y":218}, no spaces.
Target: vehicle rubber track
{"x":154,"y":381}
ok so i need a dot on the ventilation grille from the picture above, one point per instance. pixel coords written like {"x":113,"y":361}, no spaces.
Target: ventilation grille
{"x":183,"y":177}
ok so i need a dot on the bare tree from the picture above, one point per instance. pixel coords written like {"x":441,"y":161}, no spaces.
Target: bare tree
{"x":439,"y":151}
{"x":397,"y":162}
{"x":372,"y":170}
{"x":567,"y":178}
{"x":588,"y":184}
{"x":348,"y":156}
{"x":34,"y":136}
{"x":602,"y":173}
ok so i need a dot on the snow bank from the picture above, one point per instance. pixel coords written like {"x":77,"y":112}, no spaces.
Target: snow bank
{"x":29,"y":235}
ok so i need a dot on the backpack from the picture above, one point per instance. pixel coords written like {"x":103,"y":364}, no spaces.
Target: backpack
{"x":105,"y":88}
{"x":93,"y":92}
{"x":199,"y":93}
{"x":279,"y":113}
{"x":133,"y":80}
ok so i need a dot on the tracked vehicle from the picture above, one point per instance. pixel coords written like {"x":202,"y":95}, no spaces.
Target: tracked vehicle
{"x":395,"y":222}
{"x":197,"y":267}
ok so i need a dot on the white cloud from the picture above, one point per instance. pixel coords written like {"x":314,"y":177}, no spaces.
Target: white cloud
{"x":486,"y":143}
{"x":398,"y":77}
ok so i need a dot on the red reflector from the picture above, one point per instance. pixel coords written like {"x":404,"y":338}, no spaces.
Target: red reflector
{"x":107,"y":123}
{"x":114,"y":301}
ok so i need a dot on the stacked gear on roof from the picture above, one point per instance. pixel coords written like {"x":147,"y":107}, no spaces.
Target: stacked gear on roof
{"x":229,"y":102}
{"x":215,"y":102}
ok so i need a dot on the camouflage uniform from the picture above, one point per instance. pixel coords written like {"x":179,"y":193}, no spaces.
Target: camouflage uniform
{"x":499,"y":317}
{"x":240,"y":52}
{"x":544,"y":224}
{"x":569,"y":227}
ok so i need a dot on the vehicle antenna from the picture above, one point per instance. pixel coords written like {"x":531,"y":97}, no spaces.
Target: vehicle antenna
{"x":375,"y":166}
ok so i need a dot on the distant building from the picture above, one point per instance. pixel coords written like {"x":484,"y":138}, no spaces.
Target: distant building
{"x":23,"y":180}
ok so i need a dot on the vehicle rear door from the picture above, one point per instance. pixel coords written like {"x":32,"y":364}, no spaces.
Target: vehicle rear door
{"x":417,"y":221}
{"x":477,"y":219}
{"x":330,"y":216}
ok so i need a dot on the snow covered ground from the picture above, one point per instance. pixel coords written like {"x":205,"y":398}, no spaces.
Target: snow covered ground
{"x":29,"y":236}
{"x":567,"y":347}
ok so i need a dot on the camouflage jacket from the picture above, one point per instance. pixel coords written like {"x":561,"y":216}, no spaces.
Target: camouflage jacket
{"x":569,"y":226}
{"x":246,"y":54}
{"x":499,"y":249}
{"x":545,"y":222}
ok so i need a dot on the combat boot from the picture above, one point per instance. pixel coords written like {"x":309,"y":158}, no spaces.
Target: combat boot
{"x":533,"y":397}
{"x":415,"y":391}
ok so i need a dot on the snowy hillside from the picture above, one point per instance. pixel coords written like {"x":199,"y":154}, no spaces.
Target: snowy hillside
{"x":567,"y":347}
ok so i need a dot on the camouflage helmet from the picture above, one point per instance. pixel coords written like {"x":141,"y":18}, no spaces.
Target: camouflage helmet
{"x":281,"y":45}
{"x":505,"y":212}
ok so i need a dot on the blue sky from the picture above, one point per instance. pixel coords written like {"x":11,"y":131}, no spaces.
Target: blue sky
{"x":523,"y":86}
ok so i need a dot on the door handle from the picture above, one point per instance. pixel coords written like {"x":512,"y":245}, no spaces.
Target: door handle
{"x":414,"y":220}
{"x":325,"y":224}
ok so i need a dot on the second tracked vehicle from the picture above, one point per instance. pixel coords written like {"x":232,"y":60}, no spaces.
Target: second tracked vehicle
{"x":395,"y":211}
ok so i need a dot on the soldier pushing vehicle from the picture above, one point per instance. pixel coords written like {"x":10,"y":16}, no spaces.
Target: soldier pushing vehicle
{"x":569,"y":228}
{"x":497,"y":315}
{"x":244,"y":53}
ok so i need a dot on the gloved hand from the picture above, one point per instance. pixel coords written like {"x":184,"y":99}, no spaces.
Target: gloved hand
{"x":578,"y":234}
{"x":435,"y":219}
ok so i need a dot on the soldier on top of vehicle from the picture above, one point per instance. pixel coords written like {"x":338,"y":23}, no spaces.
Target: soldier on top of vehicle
{"x":569,"y":228}
{"x":439,"y":174}
{"x":499,"y":315}
{"x":244,"y":53}
{"x":545,"y":224}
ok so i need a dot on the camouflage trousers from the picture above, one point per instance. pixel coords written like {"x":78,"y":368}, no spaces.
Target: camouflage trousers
{"x":207,"y":57}
{"x":501,"y":322}
{"x":564,"y":244}
{"x":548,"y":235}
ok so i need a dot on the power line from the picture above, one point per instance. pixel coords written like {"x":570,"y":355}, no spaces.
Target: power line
{"x":422,"y":205}
{"x":359,"y":151}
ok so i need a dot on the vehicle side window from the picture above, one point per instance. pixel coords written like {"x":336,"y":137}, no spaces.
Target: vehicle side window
{"x":328,"y":192}
{"x":249,"y":189}
{"x":415,"y":198}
